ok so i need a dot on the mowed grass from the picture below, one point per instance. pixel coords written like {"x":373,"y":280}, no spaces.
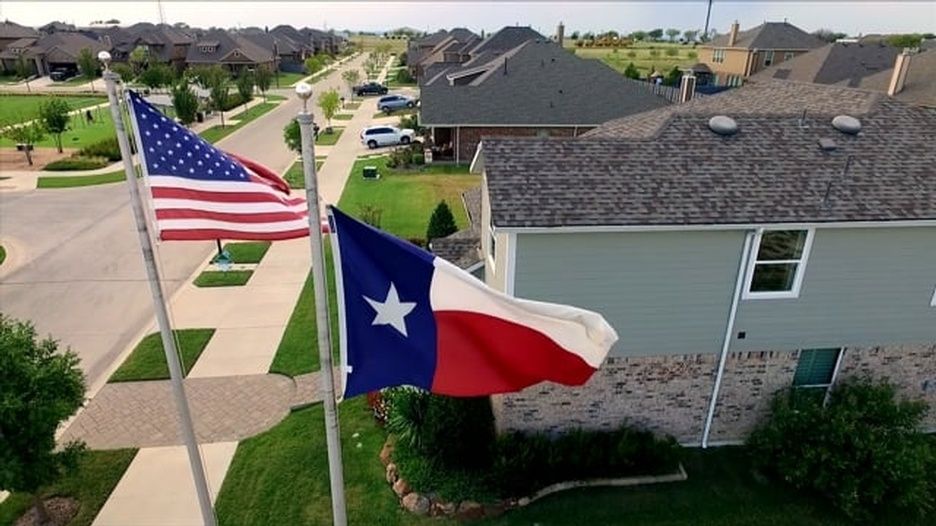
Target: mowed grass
{"x":91,"y":483}
{"x":352,"y":105}
{"x":71,"y":181}
{"x":281,"y":476}
{"x":19,"y":108}
{"x":148,"y":359}
{"x":294,"y":175}
{"x":407,"y":198}
{"x":247,"y":252}
{"x":343,"y":117}
{"x":296,"y":353}
{"x":216,"y":133}
{"x":80,"y":133}
{"x":643,"y":59}
{"x":2,"y":254}
{"x":218,"y":278}
{"x":373,"y":42}
{"x":287,"y":79}
{"x":329,"y":139}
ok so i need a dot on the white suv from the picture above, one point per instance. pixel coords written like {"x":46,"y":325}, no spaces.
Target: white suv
{"x":375,"y":136}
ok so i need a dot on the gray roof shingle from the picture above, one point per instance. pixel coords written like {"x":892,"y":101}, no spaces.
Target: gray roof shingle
{"x":771,"y":35}
{"x":667,"y":168}
{"x":543,"y":85}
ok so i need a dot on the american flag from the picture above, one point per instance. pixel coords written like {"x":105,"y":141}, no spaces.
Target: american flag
{"x":200,"y":192}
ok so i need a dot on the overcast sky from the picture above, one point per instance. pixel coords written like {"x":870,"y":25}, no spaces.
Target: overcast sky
{"x":850,"y":17}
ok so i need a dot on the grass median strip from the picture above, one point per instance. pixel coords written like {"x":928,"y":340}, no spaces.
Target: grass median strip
{"x":343,"y":117}
{"x":247,"y":252}
{"x":329,"y":139}
{"x":218,"y":278}
{"x":71,"y":181}
{"x":294,"y":175}
{"x":216,"y":133}
{"x":148,"y":360}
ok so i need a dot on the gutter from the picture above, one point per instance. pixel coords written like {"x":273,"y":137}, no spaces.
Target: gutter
{"x":729,"y":331}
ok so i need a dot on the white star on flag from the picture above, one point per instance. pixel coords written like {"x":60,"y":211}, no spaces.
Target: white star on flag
{"x":391,"y":311}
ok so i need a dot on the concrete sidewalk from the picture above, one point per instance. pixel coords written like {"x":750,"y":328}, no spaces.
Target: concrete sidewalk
{"x":249,"y":322}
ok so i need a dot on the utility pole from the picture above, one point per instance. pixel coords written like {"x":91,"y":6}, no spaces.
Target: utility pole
{"x":708,"y":16}
{"x":162,"y":14}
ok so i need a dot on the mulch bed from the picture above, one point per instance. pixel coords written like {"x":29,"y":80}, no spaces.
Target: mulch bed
{"x":61,"y":511}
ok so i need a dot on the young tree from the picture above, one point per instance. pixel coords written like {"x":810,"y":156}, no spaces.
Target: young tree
{"x":673,"y":77}
{"x":24,"y":70}
{"x":54,"y":116}
{"x":185,"y":103}
{"x":672,"y":33}
{"x":41,"y":387}
{"x":155,"y":76}
{"x":351,"y":77}
{"x":655,"y":34}
{"x":124,"y":70}
{"x":631,"y":71}
{"x":138,"y":58}
{"x":291,"y":135}
{"x":27,"y":135}
{"x":442,"y":222}
{"x":88,"y":65}
{"x":690,"y":34}
{"x":638,"y":35}
{"x":262,"y":78}
{"x":314,"y":64}
{"x":329,"y":101}
{"x":216,"y":80}
{"x":245,"y":87}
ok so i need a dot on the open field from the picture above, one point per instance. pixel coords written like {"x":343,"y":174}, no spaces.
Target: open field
{"x":646,"y":56}
{"x":373,"y":42}
{"x":19,"y":108}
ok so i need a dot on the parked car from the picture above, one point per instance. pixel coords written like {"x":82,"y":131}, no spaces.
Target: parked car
{"x":59,"y":75}
{"x":374,"y":136}
{"x":370,"y":88}
{"x":391,"y":103}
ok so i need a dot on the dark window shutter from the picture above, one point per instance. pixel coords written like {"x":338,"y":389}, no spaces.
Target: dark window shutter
{"x":815,"y":366}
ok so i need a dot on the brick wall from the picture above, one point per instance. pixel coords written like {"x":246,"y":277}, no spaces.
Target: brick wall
{"x":912,"y":368}
{"x":469,"y":137}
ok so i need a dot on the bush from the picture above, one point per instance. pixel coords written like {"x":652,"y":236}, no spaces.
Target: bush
{"x":76,"y":163}
{"x":671,"y":52}
{"x":632,"y":54}
{"x":108,"y":149}
{"x":234,"y":100}
{"x":406,"y":156}
{"x":692,"y":54}
{"x":863,"y":450}
{"x":403,"y":77}
{"x":441,"y":222}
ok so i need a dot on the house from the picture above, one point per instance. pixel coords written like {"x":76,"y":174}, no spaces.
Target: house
{"x":57,"y":51}
{"x":290,"y":55}
{"x":740,"y":54}
{"x":907,"y":75}
{"x":324,"y":41}
{"x":161,"y":43}
{"x":11,"y":32}
{"x":536,"y":88}
{"x":449,"y":47}
{"x":780,"y":234}
{"x":231,"y":50}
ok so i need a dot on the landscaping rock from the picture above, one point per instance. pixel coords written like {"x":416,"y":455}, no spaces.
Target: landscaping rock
{"x":386,"y":452}
{"x":401,"y":488}
{"x":415,"y":503}
{"x":469,"y":510}
{"x":447,"y":508}
{"x":392,"y":473}
{"x":523,"y":502}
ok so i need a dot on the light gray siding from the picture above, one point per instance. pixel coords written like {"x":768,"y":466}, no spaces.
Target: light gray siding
{"x":867,"y":286}
{"x":664,"y":292}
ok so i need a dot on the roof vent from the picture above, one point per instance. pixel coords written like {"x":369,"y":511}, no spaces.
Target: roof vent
{"x":723,"y":125}
{"x":847,"y":124}
{"x":827,"y":145}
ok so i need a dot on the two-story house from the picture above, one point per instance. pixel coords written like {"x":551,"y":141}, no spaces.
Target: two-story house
{"x":230,"y":50}
{"x":738,"y":245}
{"x":56,"y":51}
{"x":740,"y":54}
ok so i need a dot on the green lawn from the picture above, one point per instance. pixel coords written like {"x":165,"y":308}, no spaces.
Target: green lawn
{"x":393,"y":83}
{"x":18,"y":108}
{"x":80,"y":132}
{"x":297,"y":353}
{"x":271,"y":97}
{"x":352,"y":105}
{"x":56,"y":181}
{"x":644,"y":61}
{"x":343,"y":117}
{"x":328,"y":139}
{"x":91,"y":483}
{"x":2,"y":254}
{"x":407,"y":198}
{"x":287,"y":79}
{"x":148,"y":359}
{"x":217,"y":278}
{"x":281,"y":476}
{"x":247,"y":252}
{"x":294,"y":175}
{"x":372,"y":42}
{"x":216,"y":133}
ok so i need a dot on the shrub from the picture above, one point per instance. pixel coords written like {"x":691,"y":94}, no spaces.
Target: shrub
{"x":692,"y":54}
{"x":631,"y":71}
{"x":232,"y":101}
{"x":76,"y":163}
{"x":403,"y":77}
{"x":107,"y":148}
{"x":671,"y":52}
{"x":371,"y":215}
{"x":406,"y":156}
{"x":441,"y":223}
{"x":632,"y":54}
{"x":863,"y":450}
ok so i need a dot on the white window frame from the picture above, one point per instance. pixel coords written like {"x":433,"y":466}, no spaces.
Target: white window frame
{"x":718,"y":55}
{"x":768,"y":58}
{"x":800,"y":267}
{"x":787,"y":55}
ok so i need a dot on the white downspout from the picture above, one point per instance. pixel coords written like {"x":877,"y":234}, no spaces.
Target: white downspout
{"x":729,"y":331}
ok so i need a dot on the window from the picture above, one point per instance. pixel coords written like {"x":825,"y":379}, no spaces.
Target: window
{"x":788,"y":55}
{"x":718,"y":55}
{"x":779,"y":261}
{"x":816,"y":367}
{"x":768,"y":57}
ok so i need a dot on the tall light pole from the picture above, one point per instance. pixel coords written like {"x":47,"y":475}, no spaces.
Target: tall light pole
{"x":708,"y":16}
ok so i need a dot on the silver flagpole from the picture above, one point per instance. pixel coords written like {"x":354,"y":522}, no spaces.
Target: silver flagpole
{"x":159,"y":302}
{"x":332,"y":438}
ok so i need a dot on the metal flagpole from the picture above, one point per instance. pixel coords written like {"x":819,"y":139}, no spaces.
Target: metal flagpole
{"x":332,"y":438}
{"x":159,"y":302}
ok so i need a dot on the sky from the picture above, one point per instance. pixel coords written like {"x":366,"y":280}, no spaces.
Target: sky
{"x":854,"y":17}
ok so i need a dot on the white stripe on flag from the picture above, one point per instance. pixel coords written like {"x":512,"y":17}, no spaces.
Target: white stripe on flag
{"x":226,"y":207}
{"x":206,"y":224}
{"x":166,"y":181}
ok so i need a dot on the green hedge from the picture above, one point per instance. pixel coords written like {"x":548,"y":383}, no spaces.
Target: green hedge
{"x":108,"y":149}
{"x":233,"y":101}
{"x":76,"y":163}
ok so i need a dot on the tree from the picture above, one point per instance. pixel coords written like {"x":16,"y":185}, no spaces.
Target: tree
{"x":690,"y":34}
{"x":292,"y":137}
{"x":54,"y":117}
{"x":655,"y":34}
{"x":216,"y":80}
{"x":245,"y":87}
{"x":863,"y":449}
{"x":329,"y":101}
{"x":828,"y":35}
{"x":124,"y":70}
{"x":155,"y":76}
{"x":314,"y":64}
{"x":185,"y":103}
{"x":26,"y":134}
{"x":262,"y":78}
{"x":902,"y":41}
{"x":24,"y":70}
{"x":41,"y":387}
{"x":441,"y":223}
{"x":138,"y":58}
{"x":638,"y":35}
{"x":351,"y":77}
{"x":574,"y":35}
{"x":88,"y":65}
{"x":674,"y":77}
{"x":672,"y":33}
{"x":631,"y":71}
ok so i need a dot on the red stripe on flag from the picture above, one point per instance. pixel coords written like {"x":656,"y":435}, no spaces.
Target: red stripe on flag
{"x":264,"y":217}
{"x":222,"y":197}
{"x":265,"y":174}
{"x":200,"y":234}
{"x":477,"y":354}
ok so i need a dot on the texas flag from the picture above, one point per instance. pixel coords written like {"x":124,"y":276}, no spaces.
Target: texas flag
{"x":410,"y":318}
